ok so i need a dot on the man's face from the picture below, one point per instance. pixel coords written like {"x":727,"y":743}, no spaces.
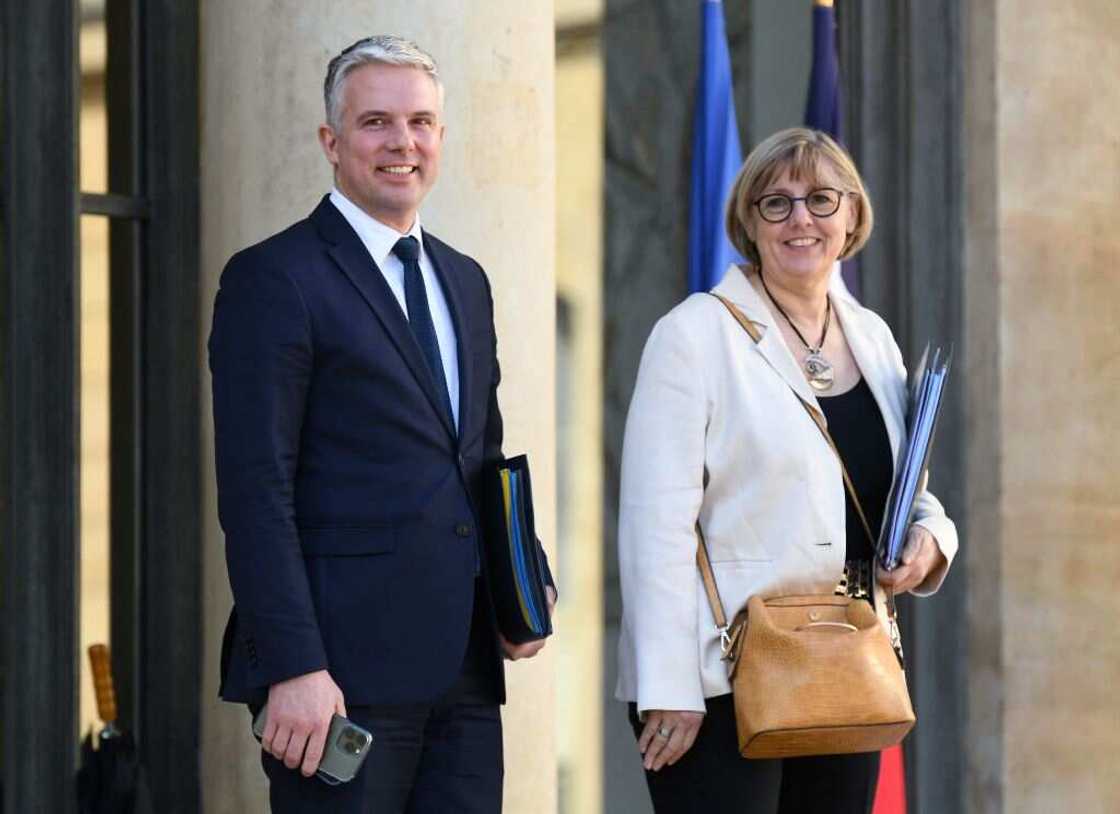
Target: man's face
{"x":386,"y":152}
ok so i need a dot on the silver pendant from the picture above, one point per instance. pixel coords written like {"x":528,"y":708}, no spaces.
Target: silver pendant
{"x":819,"y":369}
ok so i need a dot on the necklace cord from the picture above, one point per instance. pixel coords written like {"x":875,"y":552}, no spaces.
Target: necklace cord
{"x":827,"y":316}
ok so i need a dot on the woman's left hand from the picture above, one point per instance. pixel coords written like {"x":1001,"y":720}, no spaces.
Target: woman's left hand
{"x":920,"y":558}
{"x":667,"y":735}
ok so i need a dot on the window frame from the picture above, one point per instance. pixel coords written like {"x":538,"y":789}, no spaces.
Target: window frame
{"x":153,"y":204}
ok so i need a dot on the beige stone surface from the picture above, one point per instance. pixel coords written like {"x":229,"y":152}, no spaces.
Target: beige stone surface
{"x":94,"y":376}
{"x":1059,"y":313}
{"x":579,"y":279}
{"x":262,"y":69}
{"x":577,"y":12}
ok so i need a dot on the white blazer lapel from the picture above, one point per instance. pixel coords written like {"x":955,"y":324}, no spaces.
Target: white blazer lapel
{"x":773,"y":348}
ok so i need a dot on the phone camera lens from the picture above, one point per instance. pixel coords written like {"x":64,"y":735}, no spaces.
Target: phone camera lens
{"x":351,"y":741}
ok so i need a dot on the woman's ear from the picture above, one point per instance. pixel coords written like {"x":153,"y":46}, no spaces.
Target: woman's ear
{"x":749,"y":227}
{"x":854,"y":210}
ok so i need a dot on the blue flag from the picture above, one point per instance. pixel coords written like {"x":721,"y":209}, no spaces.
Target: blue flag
{"x":822,"y":110}
{"x":716,"y":156}
{"x":823,"y":105}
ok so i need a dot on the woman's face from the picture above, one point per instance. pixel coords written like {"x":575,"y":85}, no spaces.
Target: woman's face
{"x":804,"y":245}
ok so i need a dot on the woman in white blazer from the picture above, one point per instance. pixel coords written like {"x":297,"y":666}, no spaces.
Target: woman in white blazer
{"x":716,"y":436}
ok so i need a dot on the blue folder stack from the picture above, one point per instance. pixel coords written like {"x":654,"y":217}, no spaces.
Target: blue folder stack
{"x":927,"y":387}
{"x":513,"y":555}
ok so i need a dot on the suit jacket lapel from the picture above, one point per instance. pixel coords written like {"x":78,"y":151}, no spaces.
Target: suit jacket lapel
{"x":354,"y":261}
{"x":773,"y":348}
{"x":445,"y":266}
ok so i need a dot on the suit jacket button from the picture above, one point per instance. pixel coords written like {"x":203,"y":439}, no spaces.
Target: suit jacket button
{"x":463,"y":530}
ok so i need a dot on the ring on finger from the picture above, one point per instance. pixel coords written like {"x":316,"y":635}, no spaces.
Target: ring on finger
{"x":664,"y":731}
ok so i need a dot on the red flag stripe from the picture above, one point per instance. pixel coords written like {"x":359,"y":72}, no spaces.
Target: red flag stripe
{"x":890,"y":793}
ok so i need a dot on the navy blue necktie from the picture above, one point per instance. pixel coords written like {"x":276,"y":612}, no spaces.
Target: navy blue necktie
{"x":420,"y":317}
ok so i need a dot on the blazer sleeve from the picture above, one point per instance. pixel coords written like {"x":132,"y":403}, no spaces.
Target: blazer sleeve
{"x":662,"y":487}
{"x":261,"y":360}
{"x":492,"y":438}
{"x":928,"y":511}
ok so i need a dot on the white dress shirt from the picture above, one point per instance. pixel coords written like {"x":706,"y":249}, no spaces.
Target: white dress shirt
{"x":379,"y":241}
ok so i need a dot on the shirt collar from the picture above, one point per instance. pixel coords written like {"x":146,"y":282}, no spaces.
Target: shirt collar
{"x":378,"y":238}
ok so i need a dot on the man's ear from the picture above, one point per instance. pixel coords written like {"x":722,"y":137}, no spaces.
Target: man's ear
{"x":329,"y":142}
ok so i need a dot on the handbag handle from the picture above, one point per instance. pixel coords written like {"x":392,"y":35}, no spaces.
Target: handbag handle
{"x":841,"y":626}
{"x":703,"y":560}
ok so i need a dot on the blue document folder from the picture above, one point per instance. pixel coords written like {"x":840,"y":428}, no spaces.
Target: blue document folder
{"x":927,"y":388}
{"x":514,"y":564}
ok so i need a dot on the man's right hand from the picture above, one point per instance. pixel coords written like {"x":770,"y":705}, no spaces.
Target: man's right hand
{"x":299,"y":717}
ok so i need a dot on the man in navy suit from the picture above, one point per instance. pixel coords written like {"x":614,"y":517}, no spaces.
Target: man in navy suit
{"x":355,"y":407}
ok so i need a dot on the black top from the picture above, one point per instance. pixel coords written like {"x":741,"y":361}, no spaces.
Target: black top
{"x":857,"y":427}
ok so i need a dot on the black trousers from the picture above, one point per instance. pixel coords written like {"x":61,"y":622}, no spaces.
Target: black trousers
{"x":425,"y":759}
{"x":712,"y":778}
{"x":432,"y":758}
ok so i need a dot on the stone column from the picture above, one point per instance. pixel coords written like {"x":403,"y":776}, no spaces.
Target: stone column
{"x":1043,"y":283}
{"x":262,"y":66}
{"x":579,"y":374}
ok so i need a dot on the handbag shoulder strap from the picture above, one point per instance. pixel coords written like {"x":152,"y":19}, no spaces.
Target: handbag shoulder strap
{"x":703,"y":560}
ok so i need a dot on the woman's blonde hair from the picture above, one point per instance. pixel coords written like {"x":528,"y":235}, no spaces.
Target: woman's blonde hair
{"x":807,"y":155}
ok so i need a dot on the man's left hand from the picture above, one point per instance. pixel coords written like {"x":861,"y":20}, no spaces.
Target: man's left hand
{"x":513,"y":652}
{"x":920,"y":558}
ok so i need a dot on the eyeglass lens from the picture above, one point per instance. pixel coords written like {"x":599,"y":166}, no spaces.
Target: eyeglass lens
{"x":777,"y":206}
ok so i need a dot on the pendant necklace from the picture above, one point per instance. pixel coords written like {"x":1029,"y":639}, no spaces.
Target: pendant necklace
{"x":817,"y":368}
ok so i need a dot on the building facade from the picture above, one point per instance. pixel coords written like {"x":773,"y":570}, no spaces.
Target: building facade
{"x":146,"y":140}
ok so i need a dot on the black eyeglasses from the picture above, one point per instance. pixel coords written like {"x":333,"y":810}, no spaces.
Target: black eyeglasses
{"x":821,"y":203}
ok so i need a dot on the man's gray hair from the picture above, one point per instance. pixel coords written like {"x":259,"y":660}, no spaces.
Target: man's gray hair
{"x":380,"y":49}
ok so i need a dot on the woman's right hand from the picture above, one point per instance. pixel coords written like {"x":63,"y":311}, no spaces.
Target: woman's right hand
{"x":667,"y":735}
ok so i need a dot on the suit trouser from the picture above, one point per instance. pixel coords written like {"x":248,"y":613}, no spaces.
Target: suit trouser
{"x":712,"y":778}
{"x":432,"y":758}
{"x":425,"y":759}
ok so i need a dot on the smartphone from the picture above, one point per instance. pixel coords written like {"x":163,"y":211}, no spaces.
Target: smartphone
{"x":346,"y":748}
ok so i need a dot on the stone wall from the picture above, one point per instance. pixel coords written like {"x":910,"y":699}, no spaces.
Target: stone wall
{"x":1057,"y":187}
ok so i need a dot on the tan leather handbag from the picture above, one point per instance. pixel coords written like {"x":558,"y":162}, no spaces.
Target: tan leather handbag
{"x":811,"y":675}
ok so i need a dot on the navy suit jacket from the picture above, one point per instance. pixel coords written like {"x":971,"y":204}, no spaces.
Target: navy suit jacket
{"x":347,"y":498}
